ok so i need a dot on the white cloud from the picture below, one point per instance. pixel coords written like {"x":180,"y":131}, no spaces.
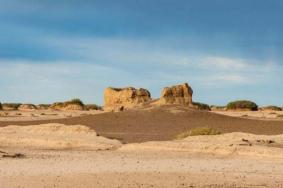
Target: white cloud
{"x":225,"y":63}
{"x":98,"y":63}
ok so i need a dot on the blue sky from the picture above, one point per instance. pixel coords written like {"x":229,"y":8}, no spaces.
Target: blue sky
{"x":226,"y":50}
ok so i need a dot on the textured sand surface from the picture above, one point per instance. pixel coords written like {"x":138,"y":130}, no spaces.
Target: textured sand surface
{"x":161,"y":123}
{"x":54,"y":136}
{"x":85,"y":169}
{"x":62,"y":156}
{"x":35,"y":115}
{"x":263,"y":115}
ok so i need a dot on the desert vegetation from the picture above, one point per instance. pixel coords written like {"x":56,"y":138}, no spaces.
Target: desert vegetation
{"x":43,"y":106}
{"x":242,"y":105}
{"x":1,"y":106}
{"x":74,"y":104}
{"x":271,"y":108}
{"x":11,"y":106}
{"x":216,"y":107}
{"x":198,"y":131}
{"x":201,"y":106}
{"x":92,"y":107}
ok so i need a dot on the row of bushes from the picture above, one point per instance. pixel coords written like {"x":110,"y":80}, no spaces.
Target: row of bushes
{"x":58,"y":105}
{"x":237,"y":105}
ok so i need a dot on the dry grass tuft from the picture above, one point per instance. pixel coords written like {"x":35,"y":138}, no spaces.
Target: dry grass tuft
{"x":198,"y":131}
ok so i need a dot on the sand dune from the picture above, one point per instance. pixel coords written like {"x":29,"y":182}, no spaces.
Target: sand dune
{"x":54,"y":136}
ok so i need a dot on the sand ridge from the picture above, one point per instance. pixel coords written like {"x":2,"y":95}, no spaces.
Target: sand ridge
{"x":79,"y":137}
{"x":54,"y":136}
{"x":226,"y":144}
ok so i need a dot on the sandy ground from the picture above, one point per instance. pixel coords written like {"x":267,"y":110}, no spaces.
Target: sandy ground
{"x":137,"y":169}
{"x":34,"y":115}
{"x":54,"y":136}
{"x":228,"y":160}
{"x":160,"y":123}
{"x":263,"y":115}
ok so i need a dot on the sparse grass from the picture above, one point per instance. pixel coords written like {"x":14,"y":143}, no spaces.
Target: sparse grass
{"x":242,"y":105}
{"x":92,"y":107}
{"x":280,"y":115}
{"x":201,"y":106}
{"x":198,"y":131}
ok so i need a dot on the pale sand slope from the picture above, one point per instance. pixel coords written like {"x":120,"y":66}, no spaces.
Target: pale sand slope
{"x":35,"y":115}
{"x":264,"y":115}
{"x":54,"y":136}
{"x":225,"y":144}
{"x":200,"y":161}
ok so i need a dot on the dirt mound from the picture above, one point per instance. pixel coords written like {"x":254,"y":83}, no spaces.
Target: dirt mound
{"x":54,"y":136}
{"x":120,"y":98}
{"x":226,"y":144}
{"x":179,"y":94}
{"x":27,"y":107}
{"x":75,"y":104}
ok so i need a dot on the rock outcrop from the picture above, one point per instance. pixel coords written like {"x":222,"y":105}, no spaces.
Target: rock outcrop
{"x":178,"y":94}
{"x":118,"y":99}
{"x":27,"y":107}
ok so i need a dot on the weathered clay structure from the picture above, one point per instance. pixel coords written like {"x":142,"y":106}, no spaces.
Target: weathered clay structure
{"x":178,"y":94}
{"x":118,"y":99}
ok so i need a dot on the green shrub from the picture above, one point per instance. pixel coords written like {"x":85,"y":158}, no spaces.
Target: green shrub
{"x":273,"y":108}
{"x":92,"y":107}
{"x":198,"y":131}
{"x":201,"y":106}
{"x":242,"y":105}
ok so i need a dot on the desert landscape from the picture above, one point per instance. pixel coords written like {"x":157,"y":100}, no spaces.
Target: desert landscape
{"x":136,"y":141}
{"x":141,"y":94}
